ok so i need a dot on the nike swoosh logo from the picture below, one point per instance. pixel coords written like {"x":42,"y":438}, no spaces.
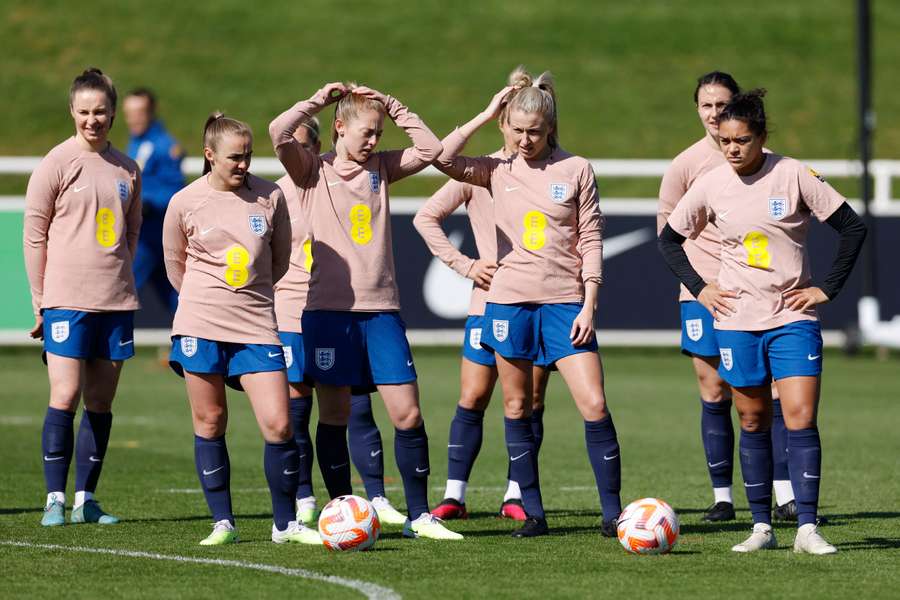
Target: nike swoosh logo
{"x":619,"y":244}
{"x":274,"y":354}
{"x":418,"y":470}
{"x":77,"y":189}
{"x":811,"y":357}
{"x":336,"y":467}
{"x":808,"y":476}
{"x":94,"y":459}
{"x":294,"y":472}
{"x":409,"y":363}
{"x":205,"y":472}
{"x":207,"y":230}
{"x":519,"y":456}
{"x":52,"y":458}
{"x":455,"y":446}
{"x":126,"y":343}
{"x":302,"y":456}
{"x":333,"y":183}
{"x":723,"y":215}
{"x":374,"y":453}
{"x":718,"y":464}
{"x":610,"y":457}
{"x":754,"y":484}
{"x":512,"y":189}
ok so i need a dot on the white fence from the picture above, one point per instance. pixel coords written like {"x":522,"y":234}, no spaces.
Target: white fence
{"x":883,"y":172}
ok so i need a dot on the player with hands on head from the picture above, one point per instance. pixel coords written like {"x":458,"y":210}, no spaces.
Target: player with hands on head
{"x":81,"y":227}
{"x":763,"y":301}
{"x":353,"y":333}
{"x":366,"y":448}
{"x":227,"y":241}
{"x":543,"y":295}
{"x":478,"y":368}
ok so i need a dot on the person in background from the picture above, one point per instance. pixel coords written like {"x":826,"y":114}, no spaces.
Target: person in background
{"x":159,"y":156}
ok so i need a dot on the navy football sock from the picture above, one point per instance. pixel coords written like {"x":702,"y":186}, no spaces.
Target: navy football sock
{"x":57,"y":442}
{"x":805,"y":456}
{"x":466,"y":433}
{"x":603,"y":452}
{"x":537,"y":428}
{"x":90,"y":450}
{"x":718,"y":441}
{"x":334,"y":458}
{"x":779,"y":444}
{"x":300,"y":409}
{"x":756,"y":468}
{"x":411,"y":451}
{"x":523,"y":464}
{"x":366,"y":448}
{"x":281,"y":463}
{"x":214,"y":471}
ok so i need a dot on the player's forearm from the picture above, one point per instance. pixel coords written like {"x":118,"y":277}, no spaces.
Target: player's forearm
{"x":852,"y":232}
{"x":670,"y":246}
{"x":426,"y":145}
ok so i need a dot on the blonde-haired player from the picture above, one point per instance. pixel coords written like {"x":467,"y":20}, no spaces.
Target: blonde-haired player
{"x":81,"y":227}
{"x":353,"y":333}
{"x":227,"y":240}
{"x":543,"y":296}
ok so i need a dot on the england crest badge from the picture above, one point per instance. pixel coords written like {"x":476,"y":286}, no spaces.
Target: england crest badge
{"x":189,"y":346}
{"x":559,"y":192}
{"x":122,"y":189}
{"x":324,"y":358}
{"x":59,"y":331}
{"x":727,"y":360}
{"x":258,"y":224}
{"x":374,"y":181}
{"x":694,"y":329}
{"x":778,"y":208}
{"x":475,"y":339}
{"x":288,"y":356}
{"x":501,"y":330}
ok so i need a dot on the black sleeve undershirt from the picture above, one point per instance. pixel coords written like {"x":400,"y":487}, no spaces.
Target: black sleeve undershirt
{"x":853,"y":233}
{"x":669,"y":244}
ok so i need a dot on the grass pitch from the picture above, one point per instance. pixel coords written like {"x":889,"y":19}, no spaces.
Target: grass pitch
{"x":149,"y":481}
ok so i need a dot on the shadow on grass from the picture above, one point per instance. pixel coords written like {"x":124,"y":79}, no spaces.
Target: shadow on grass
{"x":20,"y":511}
{"x":237,"y":517}
{"x":871,"y":544}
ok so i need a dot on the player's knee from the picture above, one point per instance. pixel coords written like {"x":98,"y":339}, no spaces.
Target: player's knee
{"x":713,"y":388}
{"x":753,"y":423}
{"x":474,"y":400}
{"x":802,"y":417}
{"x":211,"y":421}
{"x":594,"y":409}
{"x":277,"y":430}
{"x":64,"y":396}
{"x":407,"y":419}
{"x":101,"y":404}
{"x":537,"y":403}
{"x":515,"y":407}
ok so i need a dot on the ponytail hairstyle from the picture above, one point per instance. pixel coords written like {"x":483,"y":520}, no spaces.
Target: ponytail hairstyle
{"x":717,"y":78}
{"x":534,"y":96}
{"x":348,"y":107}
{"x":312,"y":126}
{"x":218,"y":125}
{"x":93,"y":79}
{"x":749,"y":108}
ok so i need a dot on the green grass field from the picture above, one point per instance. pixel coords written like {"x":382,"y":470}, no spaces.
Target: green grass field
{"x":149,"y":480}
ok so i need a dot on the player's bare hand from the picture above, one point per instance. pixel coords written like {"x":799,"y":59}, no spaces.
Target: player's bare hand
{"x":716,"y":300}
{"x":482,"y":273}
{"x":582,"y":328}
{"x":37,"y":332}
{"x":804,"y":298}
{"x":498,"y":101}
{"x":368,"y":92}
{"x":332,"y":92}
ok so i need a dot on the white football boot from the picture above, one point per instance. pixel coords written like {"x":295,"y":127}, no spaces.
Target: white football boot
{"x":762,"y":538}
{"x":809,"y":541}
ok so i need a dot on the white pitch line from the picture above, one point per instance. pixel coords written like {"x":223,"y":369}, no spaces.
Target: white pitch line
{"x":387,"y":488}
{"x":369,"y":590}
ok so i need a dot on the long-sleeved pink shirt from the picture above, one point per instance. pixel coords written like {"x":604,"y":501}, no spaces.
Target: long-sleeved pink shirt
{"x":353,"y":262}
{"x":549,"y":225}
{"x":291,"y":290}
{"x":480,"y":208}
{"x":763,"y":219}
{"x":82,"y":221}
{"x":223,"y":253}
{"x":703,"y":252}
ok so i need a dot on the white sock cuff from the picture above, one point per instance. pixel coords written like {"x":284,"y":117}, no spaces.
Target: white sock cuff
{"x":722,"y":494}
{"x":512,"y":491}
{"x":456,"y":489}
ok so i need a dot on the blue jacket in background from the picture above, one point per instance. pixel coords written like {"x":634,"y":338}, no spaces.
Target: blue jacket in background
{"x":159,"y":156}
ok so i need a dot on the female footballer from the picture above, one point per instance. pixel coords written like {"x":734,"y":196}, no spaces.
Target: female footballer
{"x":764,"y":302}
{"x":543,"y":295}
{"x":82,"y":221}
{"x":227,"y":240}
{"x":478,"y":368}
{"x":353,"y":333}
